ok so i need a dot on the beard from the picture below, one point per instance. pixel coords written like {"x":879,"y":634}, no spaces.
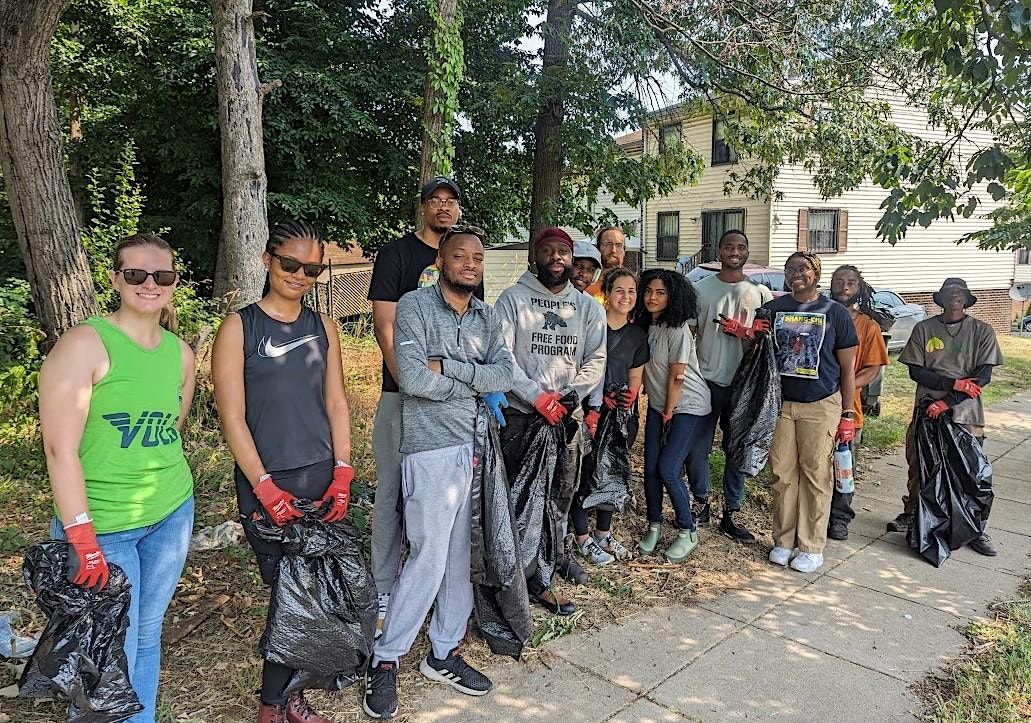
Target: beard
{"x":457,"y":285}
{"x":849,"y":301}
{"x":547,"y":278}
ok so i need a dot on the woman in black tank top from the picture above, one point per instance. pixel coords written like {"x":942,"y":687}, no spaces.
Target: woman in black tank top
{"x":279,"y":387}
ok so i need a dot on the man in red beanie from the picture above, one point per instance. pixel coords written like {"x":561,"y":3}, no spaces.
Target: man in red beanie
{"x":557,"y":337}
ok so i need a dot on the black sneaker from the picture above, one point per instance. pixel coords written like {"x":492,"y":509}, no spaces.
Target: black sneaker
{"x":702,"y":512}
{"x":457,"y":673}
{"x":837,"y":530}
{"x":380,"y":699}
{"x":730,"y":528}
{"x":983,"y":546}
{"x":570,"y":569}
{"x":902,"y":523}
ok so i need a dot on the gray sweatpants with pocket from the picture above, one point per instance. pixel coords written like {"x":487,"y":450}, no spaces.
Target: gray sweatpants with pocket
{"x":437,"y":486}
{"x":386,"y":517}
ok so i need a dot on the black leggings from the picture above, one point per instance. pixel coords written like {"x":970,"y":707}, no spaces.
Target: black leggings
{"x":579,"y":517}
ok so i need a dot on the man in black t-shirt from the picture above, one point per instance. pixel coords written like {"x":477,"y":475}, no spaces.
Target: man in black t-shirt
{"x":401,"y":266}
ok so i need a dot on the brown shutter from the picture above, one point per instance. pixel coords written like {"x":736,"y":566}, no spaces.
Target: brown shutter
{"x":803,"y":229}
{"x":842,"y":230}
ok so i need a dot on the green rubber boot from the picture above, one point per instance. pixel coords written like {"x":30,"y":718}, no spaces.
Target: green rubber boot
{"x":682,"y":547}
{"x":650,"y":540}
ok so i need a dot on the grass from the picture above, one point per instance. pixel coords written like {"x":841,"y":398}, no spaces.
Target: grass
{"x":992,"y":682}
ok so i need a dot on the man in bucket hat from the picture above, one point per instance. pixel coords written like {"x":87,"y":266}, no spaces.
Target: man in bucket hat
{"x":950,"y":357}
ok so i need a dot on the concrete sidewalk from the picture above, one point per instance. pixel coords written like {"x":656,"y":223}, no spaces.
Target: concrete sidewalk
{"x":843,"y":644}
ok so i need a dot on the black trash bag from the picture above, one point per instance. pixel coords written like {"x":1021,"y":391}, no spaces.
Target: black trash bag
{"x":609,"y":466}
{"x":501,"y":603}
{"x":755,"y":406}
{"x":322,"y":613}
{"x":542,"y":491}
{"x":955,"y":487}
{"x":81,"y":651}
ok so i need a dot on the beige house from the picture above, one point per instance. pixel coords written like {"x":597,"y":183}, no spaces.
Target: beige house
{"x":688,"y":223}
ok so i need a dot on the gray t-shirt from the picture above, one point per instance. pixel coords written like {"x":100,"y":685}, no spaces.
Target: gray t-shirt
{"x":674,"y":345}
{"x":720,"y":354}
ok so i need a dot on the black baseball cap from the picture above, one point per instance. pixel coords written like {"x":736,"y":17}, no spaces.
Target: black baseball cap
{"x":440,"y":182}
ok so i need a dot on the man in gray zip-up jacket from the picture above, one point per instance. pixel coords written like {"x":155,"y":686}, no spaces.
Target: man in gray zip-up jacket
{"x":449,"y":349}
{"x":557,"y":336}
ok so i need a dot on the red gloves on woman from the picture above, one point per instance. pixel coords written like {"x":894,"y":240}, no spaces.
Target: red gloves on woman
{"x":279,"y":504}
{"x":338,"y":494}
{"x":86,"y":563}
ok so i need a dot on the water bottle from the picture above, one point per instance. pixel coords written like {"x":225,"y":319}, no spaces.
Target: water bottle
{"x":844,"y":478}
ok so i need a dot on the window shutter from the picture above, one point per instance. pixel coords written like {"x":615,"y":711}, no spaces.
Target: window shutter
{"x":803,"y":229}
{"x":842,"y":230}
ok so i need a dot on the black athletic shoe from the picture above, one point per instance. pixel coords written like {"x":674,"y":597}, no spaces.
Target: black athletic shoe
{"x":730,"y":528}
{"x":901,"y":523}
{"x":983,"y":546}
{"x":702,"y":512}
{"x":457,"y":673}
{"x":570,"y":569}
{"x":380,"y":699}
{"x":837,"y":530}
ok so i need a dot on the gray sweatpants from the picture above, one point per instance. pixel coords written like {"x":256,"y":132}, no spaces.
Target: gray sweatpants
{"x":437,"y":511}
{"x":386,"y":517}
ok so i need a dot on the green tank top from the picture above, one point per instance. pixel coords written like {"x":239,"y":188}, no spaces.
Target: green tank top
{"x":131,"y":452}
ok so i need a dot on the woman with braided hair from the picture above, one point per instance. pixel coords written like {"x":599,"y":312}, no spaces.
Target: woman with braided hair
{"x":853,"y":292}
{"x":816,"y":347}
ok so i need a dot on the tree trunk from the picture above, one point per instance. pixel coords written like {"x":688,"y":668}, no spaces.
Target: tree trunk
{"x":548,"y":159}
{"x":32,"y":160}
{"x":244,"y":184}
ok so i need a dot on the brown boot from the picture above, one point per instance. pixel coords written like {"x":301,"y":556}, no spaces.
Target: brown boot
{"x":271,"y":713}
{"x":298,"y":711}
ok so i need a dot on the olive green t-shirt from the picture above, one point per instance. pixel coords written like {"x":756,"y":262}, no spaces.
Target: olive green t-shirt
{"x":131,"y":451}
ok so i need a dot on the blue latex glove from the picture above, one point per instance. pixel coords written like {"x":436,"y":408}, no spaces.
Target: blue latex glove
{"x":496,"y":401}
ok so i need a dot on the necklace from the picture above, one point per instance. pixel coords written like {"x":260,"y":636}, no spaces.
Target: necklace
{"x":959,"y":327}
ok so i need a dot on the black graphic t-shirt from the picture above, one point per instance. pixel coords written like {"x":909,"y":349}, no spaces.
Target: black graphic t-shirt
{"x":807,"y":337}
{"x":401,"y":266}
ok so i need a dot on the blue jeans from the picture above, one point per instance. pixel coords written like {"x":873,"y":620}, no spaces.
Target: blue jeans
{"x":152,"y":558}
{"x":664,"y":453}
{"x":698,"y":459}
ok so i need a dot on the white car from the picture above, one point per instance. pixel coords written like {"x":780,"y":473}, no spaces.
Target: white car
{"x":905,"y":316}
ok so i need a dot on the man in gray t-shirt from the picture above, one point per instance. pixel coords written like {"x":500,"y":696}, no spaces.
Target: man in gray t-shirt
{"x":727,"y":302}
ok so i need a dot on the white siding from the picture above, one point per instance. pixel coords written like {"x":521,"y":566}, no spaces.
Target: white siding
{"x":629,"y":216}
{"x":707,"y":195}
{"x":501,"y":269}
{"x":919,"y":262}
{"x":1021,"y":273}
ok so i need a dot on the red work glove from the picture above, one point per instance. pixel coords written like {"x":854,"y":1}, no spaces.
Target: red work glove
{"x":666,"y":417}
{"x":278,"y":503}
{"x":549,"y":407}
{"x":86,"y":564}
{"x":627,"y":398}
{"x":733,"y":327}
{"x":846,"y":430}
{"x":760,"y":326}
{"x":591,"y":420}
{"x":967,"y":386}
{"x":338,"y":494}
{"x":937,"y":409}
{"x":610,"y":400}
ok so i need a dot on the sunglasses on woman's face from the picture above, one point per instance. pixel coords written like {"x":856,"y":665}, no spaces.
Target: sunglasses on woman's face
{"x":135,"y":277}
{"x":290,"y":266}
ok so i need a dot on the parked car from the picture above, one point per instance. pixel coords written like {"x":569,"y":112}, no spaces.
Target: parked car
{"x":1023,"y":324}
{"x":771,"y":278}
{"x":905,"y":316}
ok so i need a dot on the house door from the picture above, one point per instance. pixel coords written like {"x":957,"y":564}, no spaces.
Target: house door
{"x":714,"y":224}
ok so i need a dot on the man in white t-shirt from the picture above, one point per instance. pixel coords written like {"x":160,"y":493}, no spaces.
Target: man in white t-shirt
{"x":726,"y":322}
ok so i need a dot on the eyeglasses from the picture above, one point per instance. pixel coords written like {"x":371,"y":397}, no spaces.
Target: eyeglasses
{"x":290,"y":266}
{"x":135,"y":277}
{"x":611,"y":245}
{"x":438,"y":203}
{"x":461,"y":228}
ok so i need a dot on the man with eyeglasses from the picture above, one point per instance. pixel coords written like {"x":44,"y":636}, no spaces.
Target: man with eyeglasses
{"x":612,"y":245}
{"x":401,"y":266}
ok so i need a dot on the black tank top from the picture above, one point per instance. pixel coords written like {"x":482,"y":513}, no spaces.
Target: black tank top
{"x":284,"y":374}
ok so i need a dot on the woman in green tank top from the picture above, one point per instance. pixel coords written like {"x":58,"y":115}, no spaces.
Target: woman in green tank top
{"x":112,"y":397}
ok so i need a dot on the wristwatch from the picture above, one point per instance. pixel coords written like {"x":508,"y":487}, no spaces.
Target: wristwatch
{"x":848,"y":414}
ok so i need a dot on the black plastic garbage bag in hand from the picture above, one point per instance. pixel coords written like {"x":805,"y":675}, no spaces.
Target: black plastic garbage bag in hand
{"x":542,"y":491}
{"x":81,"y":651}
{"x":322,"y":614}
{"x":609,"y":483}
{"x":499,"y":585}
{"x":955,"y":487}
{"x":755,"y":407}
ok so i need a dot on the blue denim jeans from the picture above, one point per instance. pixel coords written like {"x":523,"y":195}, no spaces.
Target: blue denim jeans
{"x":697,"y":466}
{"x":152,"y":558}
{"x":665,"y":449}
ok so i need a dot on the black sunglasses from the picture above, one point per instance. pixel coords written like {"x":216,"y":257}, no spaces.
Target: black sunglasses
{"x":290,"y":266}
{"x":135,"y":277}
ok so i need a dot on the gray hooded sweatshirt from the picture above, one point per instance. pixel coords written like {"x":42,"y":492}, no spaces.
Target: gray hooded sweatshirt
{"x":557,"y":340}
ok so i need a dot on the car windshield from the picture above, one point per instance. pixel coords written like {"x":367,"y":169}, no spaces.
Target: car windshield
{"x":698,"y":273}
{"x":887,"y":299}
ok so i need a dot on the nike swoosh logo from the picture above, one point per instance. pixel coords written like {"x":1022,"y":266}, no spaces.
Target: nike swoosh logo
{"x":267,"y":349}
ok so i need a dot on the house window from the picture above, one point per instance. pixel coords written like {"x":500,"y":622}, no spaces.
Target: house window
{"x":669,"y":137}
{"x":714,"y":224}
{"x":822,"y":230}
{"x":1023,"y":256}
{"x":668,"y":237}
{"x":722,"y":153}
